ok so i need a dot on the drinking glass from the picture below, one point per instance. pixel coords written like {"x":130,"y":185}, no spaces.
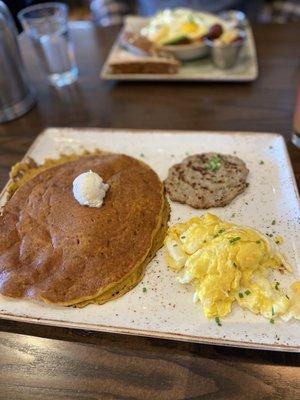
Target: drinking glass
{"x":47,"y":26}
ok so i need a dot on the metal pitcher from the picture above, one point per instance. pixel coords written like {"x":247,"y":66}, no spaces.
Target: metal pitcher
{"x":16,"y":95}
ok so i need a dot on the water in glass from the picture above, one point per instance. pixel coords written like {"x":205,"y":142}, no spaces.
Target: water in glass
{"x":46,"y":25}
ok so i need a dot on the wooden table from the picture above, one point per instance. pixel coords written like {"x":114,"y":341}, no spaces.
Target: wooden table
{"x":39,"y":362}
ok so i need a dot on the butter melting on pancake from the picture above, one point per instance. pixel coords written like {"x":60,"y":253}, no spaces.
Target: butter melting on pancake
{"x":53,"y":249}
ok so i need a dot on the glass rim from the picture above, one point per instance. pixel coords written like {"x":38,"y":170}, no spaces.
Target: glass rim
{"x":52,"y":4}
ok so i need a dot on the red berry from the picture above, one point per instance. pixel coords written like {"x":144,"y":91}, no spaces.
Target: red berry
{"x":215,"y":31}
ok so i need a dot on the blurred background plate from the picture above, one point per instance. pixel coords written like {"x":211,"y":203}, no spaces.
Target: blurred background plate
{"x":245,"y":70}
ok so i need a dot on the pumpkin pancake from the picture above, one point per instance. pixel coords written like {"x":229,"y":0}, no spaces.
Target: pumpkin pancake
{"x":137,"y":275}
{"x":53,"y":249}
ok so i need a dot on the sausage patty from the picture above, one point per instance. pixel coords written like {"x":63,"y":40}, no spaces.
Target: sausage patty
{"x":207,"y":180}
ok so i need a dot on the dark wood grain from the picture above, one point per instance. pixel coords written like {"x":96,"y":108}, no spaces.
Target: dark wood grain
{"x":88,"y":365}
{"x":113,"y":367}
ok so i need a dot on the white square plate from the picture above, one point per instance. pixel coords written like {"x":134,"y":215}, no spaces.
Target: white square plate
{"x":166,"y":309}
{"x":245,"y":70}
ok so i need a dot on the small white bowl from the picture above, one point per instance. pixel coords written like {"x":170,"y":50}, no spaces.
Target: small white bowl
{"x":188,"y":52}
{"x":192,"y":51}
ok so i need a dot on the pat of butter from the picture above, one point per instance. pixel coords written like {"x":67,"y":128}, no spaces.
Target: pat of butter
{"x":89,"y":189}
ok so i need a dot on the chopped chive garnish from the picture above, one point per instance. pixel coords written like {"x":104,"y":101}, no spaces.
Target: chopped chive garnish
{"x":142,"y":155}
{"x":235,"y":239}
{"x":182,"y":237}
{"x":247,"y":292}
{"x":219,"y":233}
{"x":277,"y":241}
{"x":273,"y":312}
{"x":247,"y":184}
{"x":273,"y":222}
{"x":234,"y":264}
{"x":175,"y":245}
{"x":217,"y":319}
{"x":276,"y":285}
{"x":261,"y":162}
{"x":271,"y":321}
{"x":232,"y":215}
{"x":258,"y":242}
{"x":144,"y":289}
{"x":241,"y":295}
{"x":287,"y":296}
{"x":214,"y":163}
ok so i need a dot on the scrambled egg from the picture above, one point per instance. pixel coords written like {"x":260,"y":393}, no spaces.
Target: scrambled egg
{"x":168,"y":26}
{"x":294,"y":310}
{"x":227,"y":263}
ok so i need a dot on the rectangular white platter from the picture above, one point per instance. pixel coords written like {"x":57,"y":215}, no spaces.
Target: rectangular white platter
{"x":245,"y":70}
{"x":166,"y":309}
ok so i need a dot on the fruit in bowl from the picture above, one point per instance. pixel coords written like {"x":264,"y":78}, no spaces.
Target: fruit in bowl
{"x":183,"y":32}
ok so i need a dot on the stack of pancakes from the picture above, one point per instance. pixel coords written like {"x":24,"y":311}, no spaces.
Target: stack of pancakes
{"x":55,"y":250}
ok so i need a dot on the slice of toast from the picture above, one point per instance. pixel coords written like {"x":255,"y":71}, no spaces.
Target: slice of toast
{"x":137,"y":55}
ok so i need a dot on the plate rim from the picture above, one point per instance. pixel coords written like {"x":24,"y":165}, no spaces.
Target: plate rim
{"x":151,"y":333}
